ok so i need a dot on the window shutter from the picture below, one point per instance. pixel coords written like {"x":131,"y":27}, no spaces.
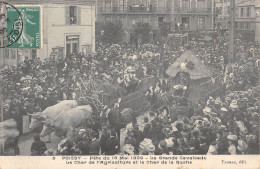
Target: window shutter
{"x":67,"y":15}
{"x":79,"y":15}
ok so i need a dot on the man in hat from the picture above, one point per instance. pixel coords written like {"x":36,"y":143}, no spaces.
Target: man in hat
{"x":38,"y":147}
{"x":138,"y":135}
{"x":203,"y":149}
{"x":161,"y":149}
{"x":182,"y":148}
{"x":156,"y":131}
{"x":130,"y":139}
{"x":112,"y":144}
{"x":103,"y":139}
{"x":232,"y":140}
{"x":94,"y":146}
{"x":83,"y":142}
{"x":128,"y":149}
{"x":222,"y":143}
{"x":195,"y":138}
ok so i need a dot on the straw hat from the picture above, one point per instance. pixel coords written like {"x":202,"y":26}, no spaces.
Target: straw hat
{"x":233,"y":104}
{"x":162,"y":144}
{"x":212,"y":149}
{"x":207,"y":110}
{"x":218,"y":101}
{"x":255,"y":114}
{"x":129,"y":149}
{"x":147,"y":145}
{"x":81,"y":131}
{"x":22,"y":79}
{"x":223,"y":109}
{"x":169,"y":142}
{"x":29,"y":77}
{"x":232,"y":137}
{"x":211,"y":99}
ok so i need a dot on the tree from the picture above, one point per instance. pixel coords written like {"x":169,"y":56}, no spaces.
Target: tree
{"x":113,"y":32}
{"x":142,"y":31}
{"x":165,"y":28}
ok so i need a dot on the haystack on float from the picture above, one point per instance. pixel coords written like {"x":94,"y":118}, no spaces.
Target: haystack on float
{"x":198,"y":72}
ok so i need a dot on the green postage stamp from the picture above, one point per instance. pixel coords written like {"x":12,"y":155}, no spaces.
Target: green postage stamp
{"x":24,"y":26}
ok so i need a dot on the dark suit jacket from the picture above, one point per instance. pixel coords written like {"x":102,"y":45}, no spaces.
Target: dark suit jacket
{"x":103,"y":139}
{"x":146,"y":131}
{"x":94,"y":147}
{"x":112,"y":146}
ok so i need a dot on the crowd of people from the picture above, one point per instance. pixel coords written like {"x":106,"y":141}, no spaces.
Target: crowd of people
{"x":226,"y":124}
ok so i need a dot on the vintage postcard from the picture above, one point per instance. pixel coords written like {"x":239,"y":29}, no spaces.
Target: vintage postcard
{"x":129,"y":84}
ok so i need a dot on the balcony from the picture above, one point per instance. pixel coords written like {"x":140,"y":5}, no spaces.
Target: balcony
{"x":135,"y":9}
{"x":192,"y":11}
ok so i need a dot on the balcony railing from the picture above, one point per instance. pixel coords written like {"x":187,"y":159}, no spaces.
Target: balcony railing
{"x":134,"y":9}
{"x":193,"y":10}
{"x":151,"y":9}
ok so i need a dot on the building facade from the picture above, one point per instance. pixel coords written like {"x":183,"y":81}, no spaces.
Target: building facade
{"x":245,"y":17}
{"x":68,"y":27}
{"x":194,"y":15}
{"x":190,"y":15}
{"x":257,"y":26}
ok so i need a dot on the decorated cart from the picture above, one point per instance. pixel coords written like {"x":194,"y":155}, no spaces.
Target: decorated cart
{"x":198,"y":72}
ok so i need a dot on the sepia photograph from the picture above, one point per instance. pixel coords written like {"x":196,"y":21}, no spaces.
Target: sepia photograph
{"x":129,"y":77}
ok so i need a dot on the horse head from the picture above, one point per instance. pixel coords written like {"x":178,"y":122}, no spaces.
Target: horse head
{"x":36,"y":120}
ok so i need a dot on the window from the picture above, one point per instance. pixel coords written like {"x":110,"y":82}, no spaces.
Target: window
{"x":160,"y":19}
{"x":241,"y":25}
{"x":242,"y":12}
{"x":236,"y":25}
{"x":201,"y":5}
{"x":6,"y":53}
{"x":107,"y":19}
{"x":73,"y":14}
{"x":13,"y":54}
{"x":185,"y":5}
{"x":133,"y":21}
{"x":107,"y":6}
{"x":72,"y":44}
{"x":201,"y":23}
{"x":248,"y":11}
{"x":122,"y":20}
{"x":145,"y":19}
{"x":236,"y":12}
{"x":122,"y":5}
{"x":248,"y":26}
